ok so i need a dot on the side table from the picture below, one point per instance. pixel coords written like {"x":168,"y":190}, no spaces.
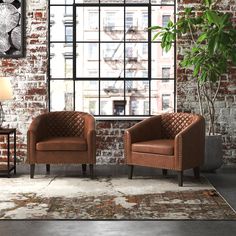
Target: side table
{"x":7,"y":169}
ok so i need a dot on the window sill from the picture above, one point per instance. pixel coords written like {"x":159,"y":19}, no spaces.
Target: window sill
{"x":120,"y":118}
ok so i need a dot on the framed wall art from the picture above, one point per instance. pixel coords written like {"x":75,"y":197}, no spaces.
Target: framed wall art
{"x":12,"y":28}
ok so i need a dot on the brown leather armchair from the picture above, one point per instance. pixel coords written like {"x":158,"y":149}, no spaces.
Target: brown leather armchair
{"x":62,"y":137}
{"x":173,"y":141}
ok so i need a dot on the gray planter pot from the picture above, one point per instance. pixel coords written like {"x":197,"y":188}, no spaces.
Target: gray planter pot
{"x":213,"y":153}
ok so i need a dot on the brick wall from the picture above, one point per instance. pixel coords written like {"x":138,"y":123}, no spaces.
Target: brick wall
{"x":226,"y":104}
{"x":28,"y":77}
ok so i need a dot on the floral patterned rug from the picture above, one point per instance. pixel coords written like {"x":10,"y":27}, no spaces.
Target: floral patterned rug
{"x":61,"y":197}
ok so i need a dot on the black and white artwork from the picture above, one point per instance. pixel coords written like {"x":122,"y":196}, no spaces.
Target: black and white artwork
{"x":11,"y":28}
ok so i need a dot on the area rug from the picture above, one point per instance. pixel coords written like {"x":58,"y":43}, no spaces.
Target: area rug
{"x":63,"y":197}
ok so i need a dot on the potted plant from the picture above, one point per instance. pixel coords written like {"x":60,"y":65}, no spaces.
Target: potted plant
{"x":211,"y":51}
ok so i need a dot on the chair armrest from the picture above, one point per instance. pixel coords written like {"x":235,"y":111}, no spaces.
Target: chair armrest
{"x":89,"y":124}
{"x":36,"y":132}
{"x":147,"y":129}
{"x":190,"y":145}
{"x":90,"y":136}
{"x":91,"y":142}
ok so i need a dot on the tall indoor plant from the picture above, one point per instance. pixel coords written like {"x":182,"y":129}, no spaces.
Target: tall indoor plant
{"x":210,"y":53}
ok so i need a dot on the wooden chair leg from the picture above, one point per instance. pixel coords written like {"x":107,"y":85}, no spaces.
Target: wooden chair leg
{"x":48,"y":168}
{"x":131,"y":169}
{"x":196,"y":171}
{"x":32,"y":168}
{"x":84,"y":167}
{"x":180,"y":178}
{"x":164,"y":172}
{"x":91,"y":171}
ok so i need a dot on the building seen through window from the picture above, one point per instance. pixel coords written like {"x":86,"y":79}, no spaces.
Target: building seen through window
{"x":110,"y":66}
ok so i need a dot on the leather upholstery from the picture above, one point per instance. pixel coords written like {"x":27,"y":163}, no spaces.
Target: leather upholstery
{"x":62,"y":137}
{"x":62,"y":144}
{"x":173,"y":123}
{"x":158,"y":146}
{"x":169,"y":141}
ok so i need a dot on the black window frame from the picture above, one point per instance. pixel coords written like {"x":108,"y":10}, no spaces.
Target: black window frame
{"x":149,"y":79}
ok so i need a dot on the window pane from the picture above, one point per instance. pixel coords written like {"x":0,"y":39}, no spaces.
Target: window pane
{"x":86,"y":1}
{"x":69,"y":33}
{"x":163,"y":2}
{"x":112,"y":1}
{"x":69,"y":9}
{"x":87,"y":24}
{"x":61,"y":94}
{"x":87,"y":60}
{"x":86,"y":96}
{"x":112,"y":23}
{"x":166,"y":73}
{"x":159,"y":102}
{"x":59,"y":52}
{"x":166,"y":102}
{"x":161,"y":59}
{"x":165,"y":20}
{"x":161,"y":15}
{"x":137,"y":1}
{"x":112,"y":60}
{"x":137,"y":97}
{"x":136,"y":62}
{"x":68,"y":67}
{"x":136,"y":23}
{"x":112,"y":66}
{"x":57,"y":25}
{"x":61,"y":2}
{"x":112,"y":98}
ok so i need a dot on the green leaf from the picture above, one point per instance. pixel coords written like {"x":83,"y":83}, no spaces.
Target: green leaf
{"x":170,"y":24}
{"x":188,"y":10}
{"x":202,"y":37}
{"x":155,"y":27}
{"x":213,"y":17}
{"x":211,"y":44}
{"x":196,"y":71}
{"x":155,"y":36}
{"x":208,"y":3}
{"x":233,"y":56}
{"x":203,"y":76}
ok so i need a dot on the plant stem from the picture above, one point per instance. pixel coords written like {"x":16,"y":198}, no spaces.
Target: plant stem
{"x":199,"y":97}
{"x":211,"y":109}
{"x":217,"y":90}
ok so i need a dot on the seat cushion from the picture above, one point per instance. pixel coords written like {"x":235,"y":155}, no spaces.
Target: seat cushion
{"x":157,"y":146}
{"x":62,"y":144}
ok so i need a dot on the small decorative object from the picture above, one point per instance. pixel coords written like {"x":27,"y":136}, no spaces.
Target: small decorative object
{"x":11,"y":28}
{"x":5,"y":94}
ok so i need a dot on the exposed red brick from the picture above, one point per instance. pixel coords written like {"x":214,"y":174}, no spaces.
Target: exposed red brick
{"x":38,"y":15}
{"x":34,"y":41}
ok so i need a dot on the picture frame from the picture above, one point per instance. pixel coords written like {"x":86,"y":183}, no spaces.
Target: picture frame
{"x":12,"y":28}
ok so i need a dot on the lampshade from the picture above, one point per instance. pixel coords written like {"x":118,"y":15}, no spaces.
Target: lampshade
{"x":5,"y":89}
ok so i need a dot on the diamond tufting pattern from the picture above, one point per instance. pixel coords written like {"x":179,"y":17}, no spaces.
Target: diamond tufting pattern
{"x":65,"y":124}
{"x":173,"y":123}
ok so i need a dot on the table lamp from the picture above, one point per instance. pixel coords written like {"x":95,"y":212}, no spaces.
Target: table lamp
{"x":5,"y":94}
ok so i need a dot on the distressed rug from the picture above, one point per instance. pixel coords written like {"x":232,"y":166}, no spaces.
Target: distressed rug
{"x":63,"y":197}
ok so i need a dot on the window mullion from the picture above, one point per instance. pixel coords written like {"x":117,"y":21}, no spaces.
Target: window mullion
{"x":149,"y":56}
{"x":124,"y":60}
{"x":99,"y":58}
{"x":74,"y":54}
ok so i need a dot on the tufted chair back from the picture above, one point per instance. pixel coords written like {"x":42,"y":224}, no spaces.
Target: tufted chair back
{"x":173,"y":123}
{"x":65,"y":124}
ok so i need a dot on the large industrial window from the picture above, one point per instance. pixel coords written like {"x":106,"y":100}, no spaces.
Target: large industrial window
{"x":103,"y":59}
